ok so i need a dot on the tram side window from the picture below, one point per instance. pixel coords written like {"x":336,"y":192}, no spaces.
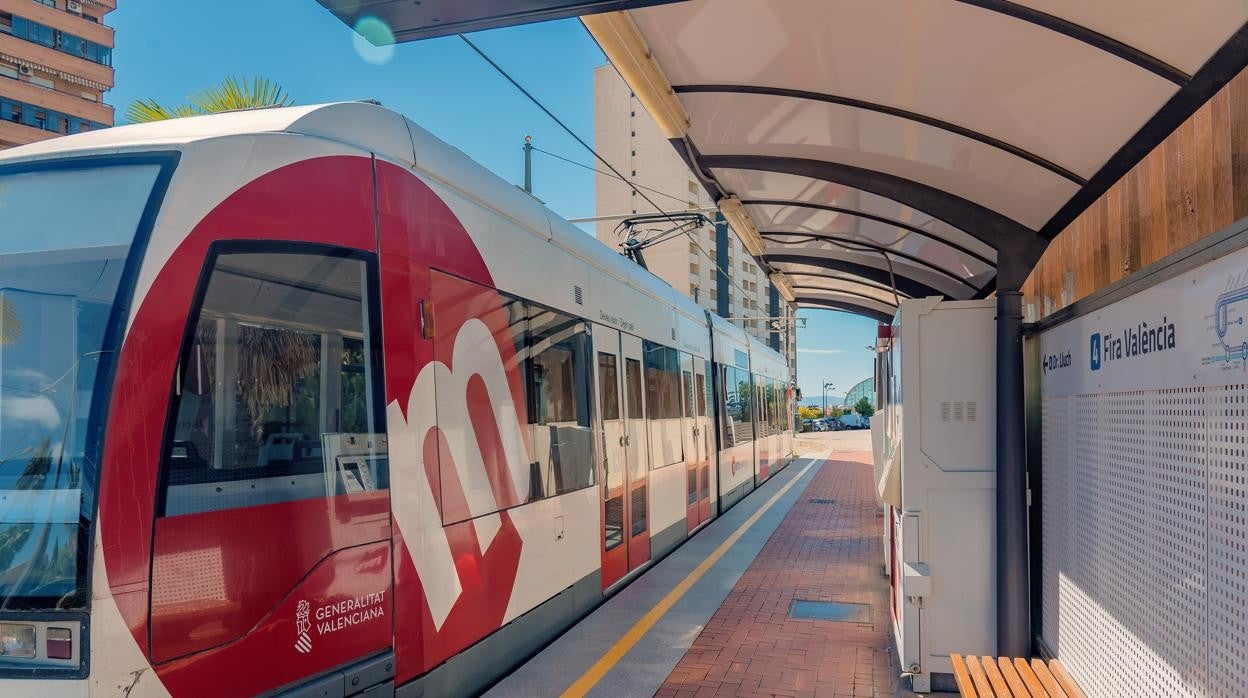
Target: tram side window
{"x":763,"y":392}
{"x":277,"y":393}
{"x":703,"y":388}
{"x":781,"y":408}
{"x":686,"y":378}
{"x":725,"y":406}
{"x":559,"y":400}
{"x":774,"y":406}
{"x":662,"y":381}
{"x":778,"y":406}
{"x":663,"y":404}
{"x":738,"y":428}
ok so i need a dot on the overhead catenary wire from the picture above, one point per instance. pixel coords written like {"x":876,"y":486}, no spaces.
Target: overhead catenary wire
{"x":726,"y":272}
{"x":591,"y":168}
{"x":557,"y":120}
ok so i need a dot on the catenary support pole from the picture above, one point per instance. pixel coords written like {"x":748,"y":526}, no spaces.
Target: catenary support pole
{"x":528,"y":164}
{"x":1013,"y":592}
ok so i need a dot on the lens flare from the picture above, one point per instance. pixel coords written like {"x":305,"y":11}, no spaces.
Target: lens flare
{"x":373,"y":40}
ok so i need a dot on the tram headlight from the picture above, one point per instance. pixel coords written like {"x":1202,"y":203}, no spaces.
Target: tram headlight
{"x":17,"y":640}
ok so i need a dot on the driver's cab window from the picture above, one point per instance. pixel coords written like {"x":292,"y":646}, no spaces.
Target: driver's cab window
{"x":278,"y":387}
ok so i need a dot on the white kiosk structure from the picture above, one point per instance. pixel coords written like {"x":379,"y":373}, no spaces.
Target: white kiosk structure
{"x":935,"y":456}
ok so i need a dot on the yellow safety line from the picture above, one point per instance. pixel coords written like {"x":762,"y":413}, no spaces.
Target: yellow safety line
{"x":611,"y":657}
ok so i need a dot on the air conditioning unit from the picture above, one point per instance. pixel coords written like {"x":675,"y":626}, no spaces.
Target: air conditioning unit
{"x":25,"y":70}
{"x":72,"y":6}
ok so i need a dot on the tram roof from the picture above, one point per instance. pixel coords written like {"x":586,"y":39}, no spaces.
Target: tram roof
{"x":371,"y":127}
{"x":362,"y":124}
{"x":873,"y":150}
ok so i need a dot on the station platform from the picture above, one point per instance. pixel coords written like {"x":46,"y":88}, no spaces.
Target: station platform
{"x":720,"y":615}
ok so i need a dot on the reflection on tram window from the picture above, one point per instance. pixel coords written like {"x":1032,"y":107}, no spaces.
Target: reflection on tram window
{"x":61,"y":278}
{"x":276,"y":398}
{"x":559,"y":400}
{"x":738,"y":423}
{"x":540,"y":435}
{"x":613,"y":466}
{"x":663,"y":404}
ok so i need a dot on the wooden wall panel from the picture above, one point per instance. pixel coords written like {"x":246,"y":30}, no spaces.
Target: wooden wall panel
{"x":1192,"y":185}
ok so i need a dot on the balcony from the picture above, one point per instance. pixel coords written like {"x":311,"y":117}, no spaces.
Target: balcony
{"x":21,"y":134}
{"x":56,"y":101}
{"x":60,"y":19}
{"x":56,"y":61}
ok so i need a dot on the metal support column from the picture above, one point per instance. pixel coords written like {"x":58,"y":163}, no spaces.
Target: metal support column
{"x":723,"y":285}
{"x":1013,"y":592}
{"x":773,"y":310}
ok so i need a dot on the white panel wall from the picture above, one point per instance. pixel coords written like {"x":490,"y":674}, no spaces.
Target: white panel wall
{"x":1144,"y":574}
{"x":1126,"y":541}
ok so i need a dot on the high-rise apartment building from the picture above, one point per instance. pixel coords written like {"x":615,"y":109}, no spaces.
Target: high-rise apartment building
{"x":55,"y":66}
{"x":711,"y":265}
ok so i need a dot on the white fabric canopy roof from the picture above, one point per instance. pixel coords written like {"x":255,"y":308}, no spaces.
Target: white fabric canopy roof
{"x":918,"y":144}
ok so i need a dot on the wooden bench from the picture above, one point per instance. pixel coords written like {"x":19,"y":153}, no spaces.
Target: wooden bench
{"x":1003,"y":677}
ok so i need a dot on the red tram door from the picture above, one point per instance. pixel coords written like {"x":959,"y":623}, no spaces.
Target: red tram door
{"x":705,"y":437}
{"x":271,"y":554}
{"x":625,"y":473}
{"x":697,"y":444}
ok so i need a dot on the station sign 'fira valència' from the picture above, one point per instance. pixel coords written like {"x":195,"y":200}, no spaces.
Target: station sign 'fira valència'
{"x":1191,"y":329}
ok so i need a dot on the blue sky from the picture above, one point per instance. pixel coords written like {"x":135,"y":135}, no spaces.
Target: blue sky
{"x":167,"y":49}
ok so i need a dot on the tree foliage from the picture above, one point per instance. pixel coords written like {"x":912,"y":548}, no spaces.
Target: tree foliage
{"x":230,"y":95}
{"x":10,"y":324}
{"x":809,"y":412}
{"x":864,"y":407}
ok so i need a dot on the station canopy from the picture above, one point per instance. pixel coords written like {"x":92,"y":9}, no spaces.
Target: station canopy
{"x":871,"y":150}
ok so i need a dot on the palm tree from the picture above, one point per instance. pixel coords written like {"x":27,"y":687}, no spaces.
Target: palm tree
{"x":10,"y":324}
{"x":232,"y":94}
{"x":270,"y":363}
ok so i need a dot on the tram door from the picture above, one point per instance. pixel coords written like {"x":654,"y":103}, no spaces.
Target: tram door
{"x":625,"y":475}
{"x":704,"y":437}
{"x":275,"y":499}
{"x":697,"y":441}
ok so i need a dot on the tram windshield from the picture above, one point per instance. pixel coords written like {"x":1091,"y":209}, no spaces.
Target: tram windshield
{"x":65,"y":234}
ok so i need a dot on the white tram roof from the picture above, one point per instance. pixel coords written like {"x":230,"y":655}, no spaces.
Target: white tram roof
{"x":361,"y":124}
{"x":374,"y":128}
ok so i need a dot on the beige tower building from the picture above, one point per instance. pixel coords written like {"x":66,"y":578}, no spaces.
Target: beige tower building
{"x":713,"y":268}
{"x":55,"y":66}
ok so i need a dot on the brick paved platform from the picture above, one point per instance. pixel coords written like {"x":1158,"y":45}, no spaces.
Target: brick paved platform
{"x":820,"y":552}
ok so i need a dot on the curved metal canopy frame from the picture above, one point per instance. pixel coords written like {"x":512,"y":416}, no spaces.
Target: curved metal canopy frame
{"x":883,"y":318}
{"x":905,"y":284}
{"x":1092,"y":38}
{"x":1012,"y":239}
{"x":943,"y":284}
{"x":870,"y":246}
{"x":826,"y":294}
{"x":866,"y":283}
{"x":890,"y":111}
{"x":872,"y":217}
{"x":797,"y":287}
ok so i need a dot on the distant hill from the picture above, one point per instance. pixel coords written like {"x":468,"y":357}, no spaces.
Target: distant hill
{"x":818,"y":402}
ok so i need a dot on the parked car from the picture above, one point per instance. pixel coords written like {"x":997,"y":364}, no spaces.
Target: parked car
{"x":853,"y":420}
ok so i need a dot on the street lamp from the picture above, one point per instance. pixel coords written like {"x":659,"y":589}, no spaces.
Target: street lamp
{"x":826,"y":385}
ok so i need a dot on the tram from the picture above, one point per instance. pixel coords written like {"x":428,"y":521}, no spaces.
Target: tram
{"x":303,"y":401}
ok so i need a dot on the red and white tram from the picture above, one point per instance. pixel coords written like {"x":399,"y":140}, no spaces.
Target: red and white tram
{"x":305,"y":401}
